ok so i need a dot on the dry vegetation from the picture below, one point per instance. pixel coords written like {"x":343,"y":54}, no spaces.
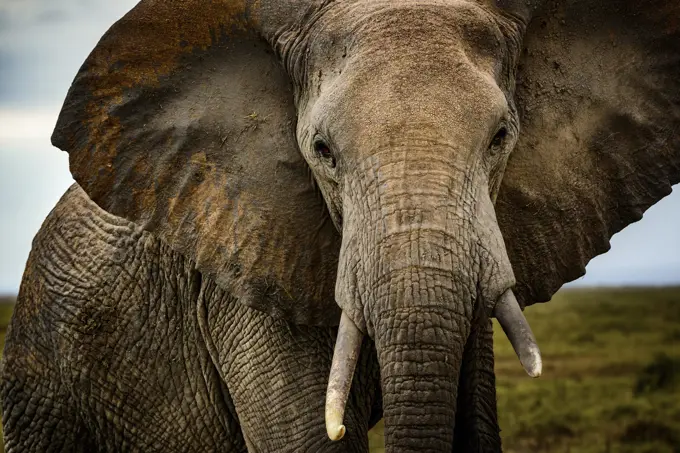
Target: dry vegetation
{"x":611,"y":380}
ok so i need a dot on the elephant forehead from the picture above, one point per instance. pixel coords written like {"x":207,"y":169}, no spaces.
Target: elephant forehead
{"x":392,"y":107}
{"x":437,"y":64}
{"x":413,"y":27}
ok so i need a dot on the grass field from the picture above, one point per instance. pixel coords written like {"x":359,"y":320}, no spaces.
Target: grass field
{"x":611,"y":375}
{"x":6,"y":305}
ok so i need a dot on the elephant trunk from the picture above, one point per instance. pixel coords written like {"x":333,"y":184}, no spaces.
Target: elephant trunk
{"x":420,"y":328}
{"x":420,"y":320}
{"x":420,"y":367}
{"x":415,"y":282}
{"x":420,"y":250}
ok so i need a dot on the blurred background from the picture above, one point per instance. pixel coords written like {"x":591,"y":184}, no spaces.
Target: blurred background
{"x":610,"y":340}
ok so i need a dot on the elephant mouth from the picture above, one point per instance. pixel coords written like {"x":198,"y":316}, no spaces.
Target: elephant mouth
{"x":348,"y":344}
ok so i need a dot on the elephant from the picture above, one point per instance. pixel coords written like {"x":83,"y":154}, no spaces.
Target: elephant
{"x":293,"y":218}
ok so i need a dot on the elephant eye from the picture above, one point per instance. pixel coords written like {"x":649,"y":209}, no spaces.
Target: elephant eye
{"x":499,"y":139}
{"x":496,"y":145}
{"x":324,"y":152}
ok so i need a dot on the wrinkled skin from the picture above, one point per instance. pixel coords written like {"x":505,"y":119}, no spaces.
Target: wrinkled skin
{"x":151,"y":357}
{"x":214,"y":376}
{"x":184,"y":296}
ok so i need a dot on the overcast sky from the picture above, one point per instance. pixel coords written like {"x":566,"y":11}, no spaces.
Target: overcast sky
{"x":42,"y":45}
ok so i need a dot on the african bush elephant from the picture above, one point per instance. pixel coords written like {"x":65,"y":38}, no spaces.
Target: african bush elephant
{"x":264,"y":171}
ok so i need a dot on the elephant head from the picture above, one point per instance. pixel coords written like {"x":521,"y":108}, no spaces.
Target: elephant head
{"x":397,"y":167}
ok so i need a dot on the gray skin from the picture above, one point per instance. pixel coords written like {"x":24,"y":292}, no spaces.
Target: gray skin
{"x":249,"y":170}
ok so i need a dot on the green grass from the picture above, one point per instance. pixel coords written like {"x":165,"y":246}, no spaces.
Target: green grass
{"x":6,"y":307}
{"x":611,"y":375}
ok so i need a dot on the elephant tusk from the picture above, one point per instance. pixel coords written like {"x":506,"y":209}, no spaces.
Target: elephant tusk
{"x":347,"y":347}
{"x":518,"y":331}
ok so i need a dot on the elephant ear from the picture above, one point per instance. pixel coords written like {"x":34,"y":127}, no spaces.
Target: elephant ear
{"x":598,"y":91}
{"x":182,"y":120}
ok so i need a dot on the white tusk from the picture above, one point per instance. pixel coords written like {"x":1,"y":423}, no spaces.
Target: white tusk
{"x":347,"y":347}
{"x":518,"y":331}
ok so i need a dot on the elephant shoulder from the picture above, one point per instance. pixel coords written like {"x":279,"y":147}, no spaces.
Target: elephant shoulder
{"x":71,"y":259}
{"x":91,"y":275}
{"x":78,"y":243}
{"x":79,"y":251}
